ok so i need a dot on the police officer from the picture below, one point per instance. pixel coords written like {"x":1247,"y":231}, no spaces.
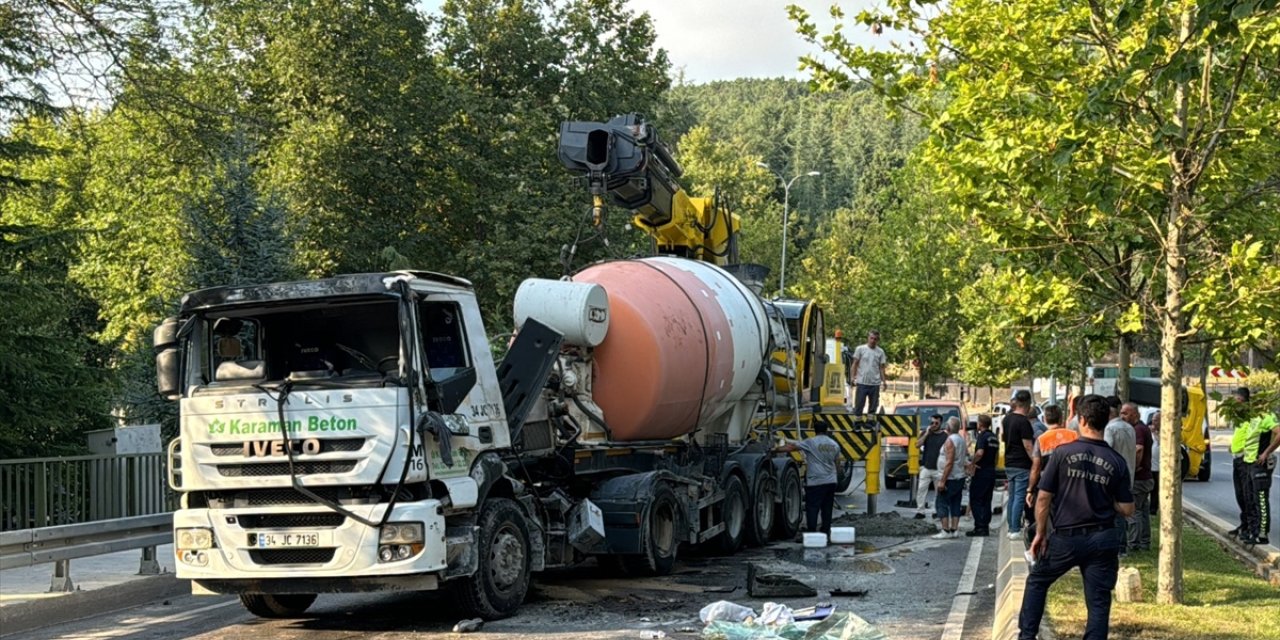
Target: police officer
{"x":1083,"y":489}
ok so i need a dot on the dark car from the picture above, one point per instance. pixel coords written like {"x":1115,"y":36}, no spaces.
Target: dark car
{"x":894,"y":453}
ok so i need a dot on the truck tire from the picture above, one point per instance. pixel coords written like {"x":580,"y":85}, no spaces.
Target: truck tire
{"x":289,"y":605}
{"x":889,"y":481}
{"x":662,"y":541}
{"x":760,"y":518}
{"x":733,"y":512}
{"x":504,"y":555}
{"x":844,"y":474}
{"x":786,"y":519}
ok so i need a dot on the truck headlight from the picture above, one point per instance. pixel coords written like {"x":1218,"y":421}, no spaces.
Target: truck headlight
{"x":401,"y":533}
{"x":399,"y":541}
{"x":194,"y":538}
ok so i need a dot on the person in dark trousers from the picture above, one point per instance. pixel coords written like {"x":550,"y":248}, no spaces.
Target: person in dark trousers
{"x":1018,"y":436}
{"x":1053,"y":437}
{"x":982,"y":484}
{"x":1239,"y":470}
{"x":867,"y":375}
{"x":1082,"y":491}
{"x":1143,"y":482}
{"x":1258,"y":432}
{"x":821,"y":454}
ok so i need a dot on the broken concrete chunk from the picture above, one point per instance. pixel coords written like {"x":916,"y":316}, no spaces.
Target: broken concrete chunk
{"x":773,"y":585}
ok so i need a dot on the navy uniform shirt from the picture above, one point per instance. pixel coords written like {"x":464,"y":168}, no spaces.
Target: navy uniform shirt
{"x":990,"y":447}
{"x":1087,"y":478}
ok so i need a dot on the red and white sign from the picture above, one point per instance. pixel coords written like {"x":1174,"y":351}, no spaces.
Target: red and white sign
{"x":1219,"y":372}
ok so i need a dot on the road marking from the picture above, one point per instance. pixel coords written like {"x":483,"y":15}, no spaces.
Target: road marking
{"x":137,"y":625}
{"x":960,"y":606}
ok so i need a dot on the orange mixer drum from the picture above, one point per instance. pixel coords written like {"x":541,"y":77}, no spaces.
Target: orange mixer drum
{"x":686,"y":341}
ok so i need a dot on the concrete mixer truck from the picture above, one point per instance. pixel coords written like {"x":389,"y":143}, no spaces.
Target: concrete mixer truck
{"x":354,"y":433}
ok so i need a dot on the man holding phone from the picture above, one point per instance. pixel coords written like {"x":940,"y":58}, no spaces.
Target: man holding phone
{"x":1082,"y":490}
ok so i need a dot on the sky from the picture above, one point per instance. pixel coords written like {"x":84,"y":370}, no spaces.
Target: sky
{"x":724,"y":39}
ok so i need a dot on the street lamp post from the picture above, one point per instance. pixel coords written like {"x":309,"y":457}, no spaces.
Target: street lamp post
{"x":786,"y":217}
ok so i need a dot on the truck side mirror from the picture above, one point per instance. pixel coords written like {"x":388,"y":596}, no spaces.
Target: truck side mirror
{"x":449,"y":393}
{"x":168,"y":359}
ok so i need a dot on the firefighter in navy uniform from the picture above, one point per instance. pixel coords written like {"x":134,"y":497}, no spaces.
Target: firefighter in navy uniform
{"x":1082,"y":490}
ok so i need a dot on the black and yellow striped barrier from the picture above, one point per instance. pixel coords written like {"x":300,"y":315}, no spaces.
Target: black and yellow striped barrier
{"x":859,"y":436}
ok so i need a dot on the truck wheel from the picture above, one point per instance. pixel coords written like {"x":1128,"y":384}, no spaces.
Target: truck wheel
{"x":786,"y":520}
{"x":760,"y":522}
{"x":662,"y":541}
{"x":844,"y":474}
{"x":289,"y":605}
{"x":502,"y":573}
{"x":733,"y":512}
{"x":889,"y":481}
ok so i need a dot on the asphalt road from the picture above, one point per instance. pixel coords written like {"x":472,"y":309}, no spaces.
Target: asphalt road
{"x":910,"y":587}
{"x":1217,"y":496}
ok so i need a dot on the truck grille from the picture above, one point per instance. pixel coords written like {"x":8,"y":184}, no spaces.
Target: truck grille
{"x":285,"y":497}
{"x":287,"y":520}
{"x":291,"y":556}
{"x":282,"y":468}
{"x":329,"y":445}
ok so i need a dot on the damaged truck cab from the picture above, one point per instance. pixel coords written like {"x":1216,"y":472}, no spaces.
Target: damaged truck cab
{"x":331,"y":431}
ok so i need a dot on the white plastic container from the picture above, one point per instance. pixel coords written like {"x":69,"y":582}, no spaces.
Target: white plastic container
{"x":842,"y":535}
{"x":815,"y":540}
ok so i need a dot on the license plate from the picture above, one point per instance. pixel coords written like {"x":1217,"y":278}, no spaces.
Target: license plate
{"x":290,"y":540}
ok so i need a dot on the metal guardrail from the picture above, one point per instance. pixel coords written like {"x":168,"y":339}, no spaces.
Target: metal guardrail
{"x":50,"y":492}
{"x":29,"y":547}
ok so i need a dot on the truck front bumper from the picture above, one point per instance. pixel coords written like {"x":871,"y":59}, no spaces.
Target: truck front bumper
{"x":247,"y":550}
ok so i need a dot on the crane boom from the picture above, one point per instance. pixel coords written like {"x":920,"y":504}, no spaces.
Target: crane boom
{"x":623,"y":160}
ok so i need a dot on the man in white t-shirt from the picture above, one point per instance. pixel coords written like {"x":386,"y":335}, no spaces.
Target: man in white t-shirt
{"x":867,"y":374}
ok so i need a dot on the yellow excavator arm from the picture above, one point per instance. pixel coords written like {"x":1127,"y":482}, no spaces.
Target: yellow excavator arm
{"x":624,"y":163}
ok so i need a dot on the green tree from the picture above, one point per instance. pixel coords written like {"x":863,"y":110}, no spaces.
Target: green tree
{"x":54,"y":379}
{"x":1116,"y":127}
{"x":905,"y":279}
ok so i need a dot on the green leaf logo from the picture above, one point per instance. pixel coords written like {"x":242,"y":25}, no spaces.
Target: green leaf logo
{"x":217,"y":426}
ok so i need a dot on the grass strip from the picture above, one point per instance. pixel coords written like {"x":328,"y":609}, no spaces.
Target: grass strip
{"x":1221,"y":599}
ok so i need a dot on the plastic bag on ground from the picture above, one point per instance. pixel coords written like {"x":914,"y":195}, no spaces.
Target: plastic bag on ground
{"x":725,"y":630}
{"x":726,"y":611}
{"x":844,"y":626}
{"x":776,"y":615}
{"x":840,"y":626}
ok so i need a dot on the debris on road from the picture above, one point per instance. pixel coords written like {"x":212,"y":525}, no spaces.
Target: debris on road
{"x":839,"y":626}
{"x":727,"y":611}
{"x":467,"y":626}
{"x":887,"y":524}
{"x":774,"y":585}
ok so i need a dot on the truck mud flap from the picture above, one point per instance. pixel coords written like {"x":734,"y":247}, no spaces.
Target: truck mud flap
{"x":460,"y":551}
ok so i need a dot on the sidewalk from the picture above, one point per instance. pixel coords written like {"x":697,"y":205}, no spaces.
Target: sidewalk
{"x":87,"y":574}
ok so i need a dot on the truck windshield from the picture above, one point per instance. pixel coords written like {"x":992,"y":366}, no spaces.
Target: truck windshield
{"x":355,"y":340}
